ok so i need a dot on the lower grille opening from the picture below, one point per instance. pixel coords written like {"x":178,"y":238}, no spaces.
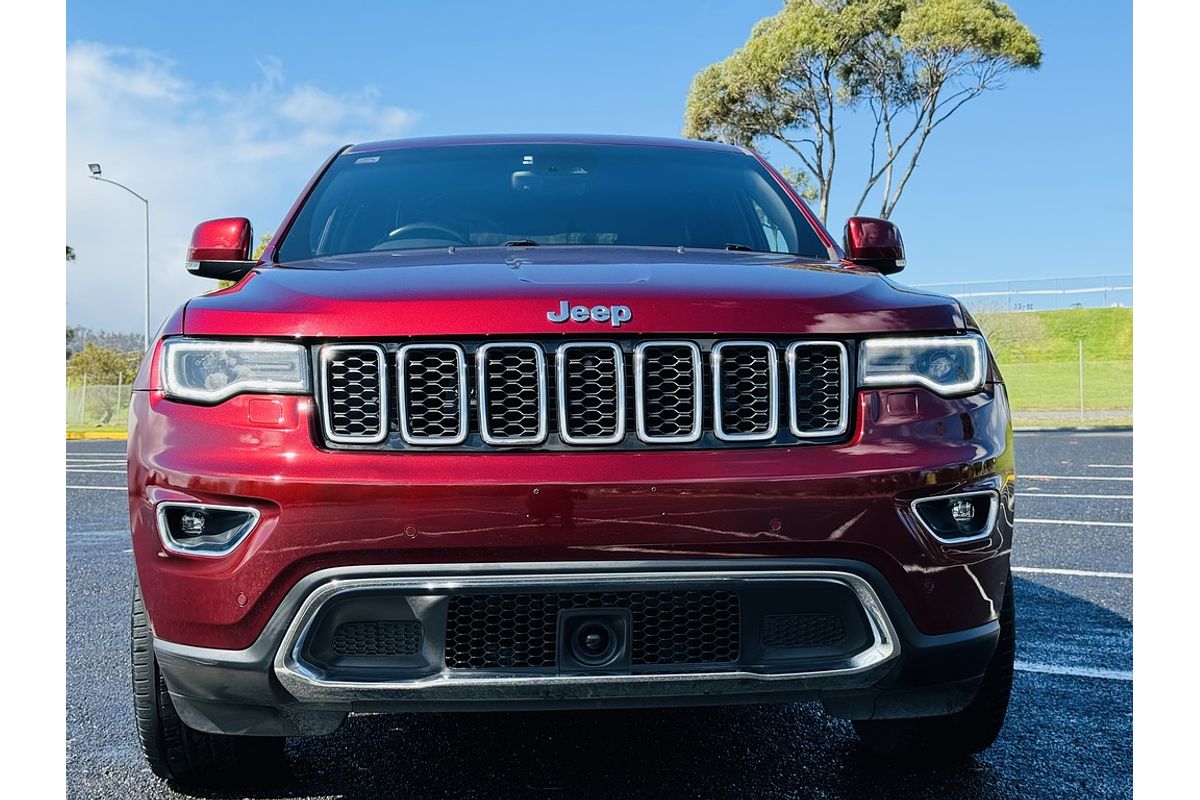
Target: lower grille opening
{"x":514,"y":631}
{"x":377,"y":639}
{"x":802,"y":630}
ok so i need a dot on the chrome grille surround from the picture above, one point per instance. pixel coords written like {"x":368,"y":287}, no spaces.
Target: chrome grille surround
{"x":499,"y":412}
{"x":829,"y":390}
{"x":423,"y":406}
{"x":499,"y":394}
{"x":583,"y":408}
{"x":354,"y":417}
{"x":750,"y":389}
{"x":672,"y":406}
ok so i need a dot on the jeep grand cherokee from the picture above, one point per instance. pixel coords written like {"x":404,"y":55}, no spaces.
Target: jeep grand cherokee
{"x":563,"y":422}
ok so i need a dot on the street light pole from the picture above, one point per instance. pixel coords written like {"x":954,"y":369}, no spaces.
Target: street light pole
{"x":95,"y":170}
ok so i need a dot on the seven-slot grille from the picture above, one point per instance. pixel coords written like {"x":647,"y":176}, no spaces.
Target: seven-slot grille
{"x":584,"y":393}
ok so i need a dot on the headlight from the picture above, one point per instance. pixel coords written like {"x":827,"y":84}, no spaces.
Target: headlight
{"x":945,"y":364}
{"x":209,"y":372}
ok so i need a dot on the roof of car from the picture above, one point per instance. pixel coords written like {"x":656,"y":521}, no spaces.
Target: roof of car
{"x":552,"y":138}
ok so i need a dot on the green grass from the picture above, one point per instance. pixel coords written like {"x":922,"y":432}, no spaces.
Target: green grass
{"x":1055,"y":385}
{"x":1032,"y":337}
{"x":1038,"y":353}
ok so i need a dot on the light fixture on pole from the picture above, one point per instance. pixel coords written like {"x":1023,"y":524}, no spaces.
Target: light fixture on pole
{"x":94,"y":169}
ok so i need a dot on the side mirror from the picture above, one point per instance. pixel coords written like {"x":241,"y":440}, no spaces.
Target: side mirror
{"x":220,"y":249}
{"x":874,"y":243}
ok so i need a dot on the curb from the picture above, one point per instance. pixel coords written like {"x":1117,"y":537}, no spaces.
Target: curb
{"x":96,"y":435}
{"x":1072,"y":429}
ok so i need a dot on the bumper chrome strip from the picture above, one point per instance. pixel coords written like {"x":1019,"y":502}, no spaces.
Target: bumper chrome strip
{"x":307,"y":683}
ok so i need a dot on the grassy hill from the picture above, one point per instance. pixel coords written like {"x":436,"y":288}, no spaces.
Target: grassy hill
{"x":1038,"y":352}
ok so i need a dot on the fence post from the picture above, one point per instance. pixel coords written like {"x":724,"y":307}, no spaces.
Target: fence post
{"x":1081,"y":380}
{"x":120,"y":383}
{"x":83,"y":400}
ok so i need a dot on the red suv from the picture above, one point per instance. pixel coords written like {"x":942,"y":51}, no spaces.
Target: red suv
{"x":564,"y":422}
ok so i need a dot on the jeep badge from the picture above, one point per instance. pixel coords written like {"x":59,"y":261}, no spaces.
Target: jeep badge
{"x":614,"y":314}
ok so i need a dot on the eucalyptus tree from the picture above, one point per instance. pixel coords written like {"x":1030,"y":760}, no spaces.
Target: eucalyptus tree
{"x":910,"y":63}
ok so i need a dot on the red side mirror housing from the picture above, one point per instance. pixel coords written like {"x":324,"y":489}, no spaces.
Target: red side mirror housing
{"x":874,"y":243}
{"x":220,"y":249}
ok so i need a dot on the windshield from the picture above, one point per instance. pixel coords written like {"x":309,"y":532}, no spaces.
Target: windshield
{"x":547,"y":194}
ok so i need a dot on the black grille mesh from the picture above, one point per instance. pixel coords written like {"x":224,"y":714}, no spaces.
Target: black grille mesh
{"x":431,"y":399}
{"x":670,"y":391}
{"x":802,"y":630}
{"x":513,"y":408}
{"x":817,"y":371}
{"x":500,"y":631}
{"x":353,"y":393}
{"x":744,"y":388}
{"x":400,"y":638}
{"x":593,"y":403}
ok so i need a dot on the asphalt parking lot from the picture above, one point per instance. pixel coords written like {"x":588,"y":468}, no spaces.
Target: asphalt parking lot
{"x":1068,"y":734}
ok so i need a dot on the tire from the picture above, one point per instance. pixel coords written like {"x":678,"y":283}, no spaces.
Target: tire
{"x":955,"y":736}
{"x":173,"y":750}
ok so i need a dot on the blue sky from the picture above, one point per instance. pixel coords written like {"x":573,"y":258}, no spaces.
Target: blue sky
{"x":228,"y":111}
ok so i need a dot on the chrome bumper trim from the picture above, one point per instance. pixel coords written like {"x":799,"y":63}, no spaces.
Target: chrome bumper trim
{"x":308,"y":685}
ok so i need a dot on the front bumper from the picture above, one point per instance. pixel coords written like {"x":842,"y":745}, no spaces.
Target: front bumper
{"x":321,"y":509}
{"x":272,"y":688}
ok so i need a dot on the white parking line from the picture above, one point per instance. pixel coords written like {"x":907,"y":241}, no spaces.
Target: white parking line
{"x":1031,"y":493}
{"x":1084,"y":522}
{"x":1075,"y":478}
{"x":103,"y":488}
{"x":1083,"y":573}
{"x":1110,"y":466}
{"x":97,"y":471}
{"x":1078,"y":672}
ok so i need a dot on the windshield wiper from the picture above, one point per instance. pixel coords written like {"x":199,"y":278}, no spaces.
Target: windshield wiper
{"x":741,"y":248}
{"x":521,"y":243}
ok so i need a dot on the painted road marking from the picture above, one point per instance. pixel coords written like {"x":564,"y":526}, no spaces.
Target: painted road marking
{"x":1035,"y":493}
{"x":1110,"y":466}
{"x":1083,"y":522}
{"x":97,"y":471}
{"x":1078,"y":672}
{"x":1075,"y":478}
{"x":103,"y":488}
{"x":1083,"y":573}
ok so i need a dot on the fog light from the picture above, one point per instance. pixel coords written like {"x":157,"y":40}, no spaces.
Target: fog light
{"x":192,"y":523}
{"x":956,"y":518}
{"x":962,"y":511}
{"x":204,"y":530}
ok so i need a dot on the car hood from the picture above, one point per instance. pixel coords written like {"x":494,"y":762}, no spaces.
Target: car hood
{"x":495,"y":291}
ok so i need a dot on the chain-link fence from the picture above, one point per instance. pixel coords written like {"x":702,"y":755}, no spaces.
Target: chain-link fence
{"x":97,"y":405}
{"x":1040,"y":294}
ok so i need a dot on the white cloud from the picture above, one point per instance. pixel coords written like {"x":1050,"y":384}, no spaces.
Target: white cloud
{"x":197,"y":151}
